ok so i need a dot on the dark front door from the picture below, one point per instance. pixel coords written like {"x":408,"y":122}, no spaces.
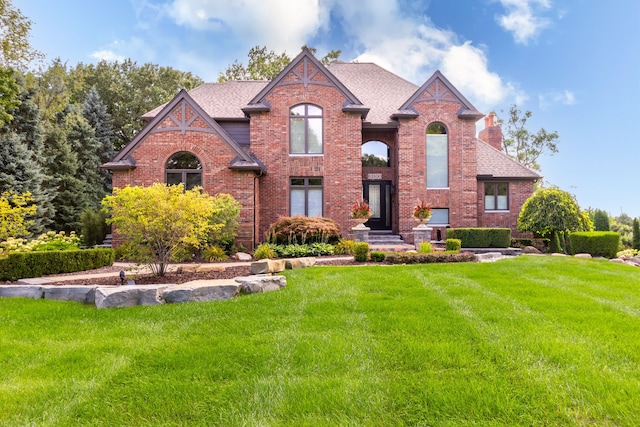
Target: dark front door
{"x":378,"y":195}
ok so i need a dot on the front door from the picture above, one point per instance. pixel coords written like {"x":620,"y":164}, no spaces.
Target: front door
{"x":378,"y":195}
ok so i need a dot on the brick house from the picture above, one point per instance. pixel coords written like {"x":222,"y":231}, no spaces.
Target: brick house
{"x":315,"y":139}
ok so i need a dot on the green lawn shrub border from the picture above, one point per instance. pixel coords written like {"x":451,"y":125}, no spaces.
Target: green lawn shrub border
{"x":360,"y":251}
{"x":453,"y":245}
{"x":35,"y":264}
{"x":377,"y":256}
{"x":481,"y":237}
{"x":432,"y":258}
{"x":596,"y":243}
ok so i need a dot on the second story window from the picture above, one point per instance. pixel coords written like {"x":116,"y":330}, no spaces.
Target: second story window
{"x":305,"y":130}
{"x":184,"y":167}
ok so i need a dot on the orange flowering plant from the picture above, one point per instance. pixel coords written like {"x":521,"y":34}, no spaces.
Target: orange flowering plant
{"x":422,"y":210}
{"x":360,"y":209}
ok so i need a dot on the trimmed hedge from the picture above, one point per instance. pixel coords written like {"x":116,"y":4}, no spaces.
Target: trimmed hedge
{"x":432,"y":258}
{"x":596,"y":243}
{"x":361,"y":251}
{"x":481,"y":237}
{"x":453,"y":245}
{"x":21,"y":265}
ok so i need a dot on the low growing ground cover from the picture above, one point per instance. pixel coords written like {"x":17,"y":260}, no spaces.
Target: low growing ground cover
{"x":523,"y":341}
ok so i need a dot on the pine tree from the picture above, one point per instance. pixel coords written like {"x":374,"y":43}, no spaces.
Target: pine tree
{"x":82,"y":139}
{"x":636,"y":234}
{"x":62,"y":165}
{"x":601,"y":220}
{"x":95,"y":112}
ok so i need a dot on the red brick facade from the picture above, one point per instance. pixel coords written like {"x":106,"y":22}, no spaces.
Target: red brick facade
{"x":259,"y":175}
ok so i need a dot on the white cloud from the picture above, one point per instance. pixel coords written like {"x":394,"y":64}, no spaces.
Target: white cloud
{"x":107,"y":55}
{"x":522,"y":18}
{"x":281,"y":25}
{"x":564,"y":97}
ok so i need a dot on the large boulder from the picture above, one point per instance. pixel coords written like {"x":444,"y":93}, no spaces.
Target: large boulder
{"x":201,"y":290}
{"x":128,"y":296}
{"x":292,"y":264}
{"x":77,"y":293}
{"x":257,"y":284}
{"x":26,"y":291}
{"x":266,"y":266}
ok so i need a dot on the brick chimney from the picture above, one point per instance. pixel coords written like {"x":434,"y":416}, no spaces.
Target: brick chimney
{"x":491,"y":134}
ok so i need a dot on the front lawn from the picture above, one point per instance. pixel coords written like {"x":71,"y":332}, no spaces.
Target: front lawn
{"x":523,"y":341}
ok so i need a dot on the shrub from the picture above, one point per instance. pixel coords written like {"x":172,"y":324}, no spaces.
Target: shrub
{"x":50,"y":241}
{"x":302,"y":229}
{"x":227,"y":212}
{"x":481,"y":237}
{"x":344,"y":247}
{"x":596,"y":243}
{"x":628,"y":253}
{"x":360,"y":251}
{"x":214,"y":253}
{"x":377,"y":256}
{"x":264,"y":251}
{"x":425,"y":248}
{"x":409,"y":258}
{"x":635,"y":241}
{"x":94,"y":227}
{"x":183,"y":253}
{"x":35,"y":264}
{"x":453,"y":245}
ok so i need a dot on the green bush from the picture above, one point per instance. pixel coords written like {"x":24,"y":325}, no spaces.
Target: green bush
{"x":596,"y":243}
{"x":453,"y":245}
{"x":425,"y":248}
{"x":409,"y":258}
{"x":183,"y":253}
{"x":481,"y":237}
{"x":302,"y":229}
{"x":214,"y":253}
{"x":377,"y":256}
{"x":35,"y":264}
{"x":94,"y":227}
{"x":360,"y":251}
{"x":227,"y":214}
{"x":264,"y":251}
{"x":344,"y":247}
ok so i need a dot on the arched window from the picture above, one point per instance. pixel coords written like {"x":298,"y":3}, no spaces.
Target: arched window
{"x":305,"y":129}
{"x":437,"y":156}
{"x":375,"y":154}
{"x":184,"y":167}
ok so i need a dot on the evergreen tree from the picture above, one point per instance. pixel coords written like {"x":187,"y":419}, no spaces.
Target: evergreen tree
{"x":636,"y":234}
{"x":95,"y":112}
{"x":601,"y":220}
{"x":82,"y":139}
{"x":62,"y":166}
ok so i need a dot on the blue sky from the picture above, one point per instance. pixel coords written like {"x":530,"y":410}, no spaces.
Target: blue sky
{"x":575,"y":64}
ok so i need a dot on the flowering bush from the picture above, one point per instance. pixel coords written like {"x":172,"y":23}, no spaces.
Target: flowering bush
{"x":422,"y":210}
{"x":50,"y":241}
{"x":360,"y":210}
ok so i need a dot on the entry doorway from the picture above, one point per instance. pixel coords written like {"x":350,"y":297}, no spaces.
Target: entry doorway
{"x":378,"y":195}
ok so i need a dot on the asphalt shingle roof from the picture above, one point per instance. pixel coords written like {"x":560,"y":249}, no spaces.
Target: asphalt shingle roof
{"x":496,"y":164}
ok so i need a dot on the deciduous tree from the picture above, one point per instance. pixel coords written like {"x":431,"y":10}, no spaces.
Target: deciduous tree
{"x":14,"y":210}
{"x":160,"y":218}
{"x":15,"y":49}
{"x":521,"y":144}
{"x":550,"y":211}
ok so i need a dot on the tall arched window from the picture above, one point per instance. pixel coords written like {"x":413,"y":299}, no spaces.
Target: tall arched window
{"x":375,"y":154}
{"x":437,"y":156}
{"x":305,"y":129}
{"x":184,"y":167}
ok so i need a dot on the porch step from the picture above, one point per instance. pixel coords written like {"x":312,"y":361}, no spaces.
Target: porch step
{"x":387,"y":242}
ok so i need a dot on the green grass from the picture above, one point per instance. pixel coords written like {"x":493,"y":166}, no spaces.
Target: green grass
{"x":524,"y":341}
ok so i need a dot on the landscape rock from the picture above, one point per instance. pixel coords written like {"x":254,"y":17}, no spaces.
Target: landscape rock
{"x":558,"y":254}
{"x":265,"y":266}
{"x":78,"y":293}
{"x":583,"y":256}
{"x":258,"y":284}
{"x":33,"y":281}
{"x":489,"y":256}
{"x":201,"y":268}
{"x":201,"y":290}
{"x":635,"y":260}
{"x":243,"y":256}
{"x":294,"y":263}
{"x":128,"y":296}
{"x":26,"y":291}
{"x":531,"y":250}
{"x":618,"y":260}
